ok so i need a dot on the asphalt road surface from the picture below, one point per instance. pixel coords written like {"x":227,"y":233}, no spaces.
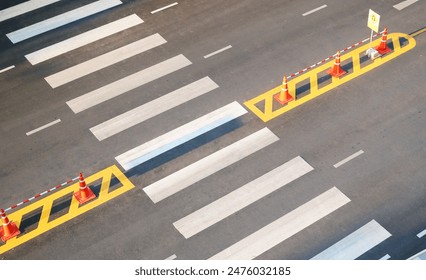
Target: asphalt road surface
{"x":364,"y":140}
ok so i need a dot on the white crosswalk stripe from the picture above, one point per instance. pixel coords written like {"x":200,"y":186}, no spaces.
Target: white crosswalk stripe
{"x":23,"y":8}
{"x":284,"y":227}
{"x":209,"y":165}
{"x":105,"y":60}
{"x":83,"y":39}
{"x":179,"y":135}
{"x":242,"y":197}
{"x":61,"y":20}
{"x":153,"y":108}
{"x":355,"y":244}
{"x":128,"y":83}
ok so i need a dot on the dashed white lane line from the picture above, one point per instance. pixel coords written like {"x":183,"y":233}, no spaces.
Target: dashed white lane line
{"x":340,"y":163}
{"x":314,"y":10}
{"x":404,"y":4}
{"x":7,"y":68}
{"x":421,"y":234}
{"x":218,"y":51}
{"x":385,"y":257}
{"x":172,"y":257}
{"x":165,"y":7}
{"x":43,"y":127}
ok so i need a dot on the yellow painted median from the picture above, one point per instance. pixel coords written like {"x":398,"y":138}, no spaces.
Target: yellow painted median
{"x":43,"y":207}
{"x":267,"y":108}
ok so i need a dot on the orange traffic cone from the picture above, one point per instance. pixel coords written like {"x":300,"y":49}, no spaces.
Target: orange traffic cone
{"x":85,"y":193}
{"x":383,"y":47}
{"x":284,"y":97}
{"x":336,"y":70}
{"x":9,"y":229}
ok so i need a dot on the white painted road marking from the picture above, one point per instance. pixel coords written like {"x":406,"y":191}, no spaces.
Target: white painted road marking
{"x":7,"y":68}
{"x":43,"y":127}
{"x":314,"y":10}
{"x":340,"y":163}
{"x":356,"y":243}
{"x":209,"y":165}
{"x":60,"y":20}
{"x":421,"y":234}
{"x":95,"y":64}
{"x":283,"y":228}
{"x":180,"y":135}
{"x":23,"y":8}
{"x":172,"y":257}
{"x":404,"y":4}
{"x":128,"y":83}
{"x":385,"y":257}
{"x":150,"y":109}
{"x":242,"y":197}
{"x":163,"y":8}
{"x":218,"y":51}
{"x":83,"y":39}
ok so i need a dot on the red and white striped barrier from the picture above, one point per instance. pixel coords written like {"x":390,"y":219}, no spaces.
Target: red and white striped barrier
{"x":331,"y":56}
{"x":41,"y":194}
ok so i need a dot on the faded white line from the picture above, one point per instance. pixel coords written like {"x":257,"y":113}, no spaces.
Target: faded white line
{"x":172,"y":257}
{"x":340,"y":163}
{"x":165,"y":7}
{"x":7,"y":68}
{"x":43,"y":127}
{"x":421,"y":234}
{"x":404,"y":4}
{"x":314,"y":10}
{"x":218,"y":51}
{"x":385,"y":257}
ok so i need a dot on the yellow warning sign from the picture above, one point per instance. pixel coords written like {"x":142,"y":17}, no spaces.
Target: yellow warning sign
{"x":62,"y":206}
{"x":373,"y":21}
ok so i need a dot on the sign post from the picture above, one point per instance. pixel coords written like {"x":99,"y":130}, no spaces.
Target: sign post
{"x":373,"y":24}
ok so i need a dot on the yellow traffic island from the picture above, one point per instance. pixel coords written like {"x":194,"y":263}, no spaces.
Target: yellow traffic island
{"x":46,"y":213}
{"x":266,"y":107}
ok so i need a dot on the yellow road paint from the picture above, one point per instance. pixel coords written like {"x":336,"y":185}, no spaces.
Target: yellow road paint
{"x":418,"y":32}
{"x":46,"y":204}
{"x":263,"y":105}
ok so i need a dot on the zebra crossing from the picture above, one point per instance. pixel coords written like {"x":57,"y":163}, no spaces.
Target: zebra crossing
{"x":254,"y":244}
{"x":61,"y":20}
{"x":83,"y":39}
{"x":105,"y":60}
{"x":24,"y":8}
